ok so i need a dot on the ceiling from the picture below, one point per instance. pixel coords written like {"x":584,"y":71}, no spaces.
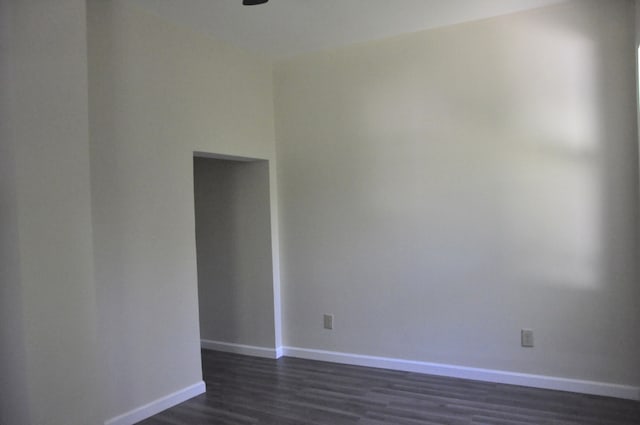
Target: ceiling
{"x":283,"y":28}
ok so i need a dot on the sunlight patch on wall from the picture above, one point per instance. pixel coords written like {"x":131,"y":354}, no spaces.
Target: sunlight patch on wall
{"x":558,"y":105}
{"x":552,"y":203}
{"x":497,"y":150}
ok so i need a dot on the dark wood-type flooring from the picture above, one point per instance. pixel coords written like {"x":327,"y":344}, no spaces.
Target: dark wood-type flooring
{"x":250,"y":390}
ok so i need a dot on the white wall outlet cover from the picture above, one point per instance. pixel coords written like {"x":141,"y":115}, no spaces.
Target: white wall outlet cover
{"x":328,"y":321}
{"x":526,"y":337}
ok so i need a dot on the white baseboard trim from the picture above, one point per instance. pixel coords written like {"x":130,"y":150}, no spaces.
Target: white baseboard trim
{"x":247,"y":350}
{"x":487,"y":375}
{"x":143,"y":412}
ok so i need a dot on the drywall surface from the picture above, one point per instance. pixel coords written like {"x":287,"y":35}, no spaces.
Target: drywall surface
{"x":157,"y":94}
{"x":233,"y":240}
{"x":442,"y":190}
{"x":47,"y":248}
{"x":637,"y":51}
{"x":13,"y":381}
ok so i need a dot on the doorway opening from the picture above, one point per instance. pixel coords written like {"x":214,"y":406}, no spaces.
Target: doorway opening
{"x":234,"y":255}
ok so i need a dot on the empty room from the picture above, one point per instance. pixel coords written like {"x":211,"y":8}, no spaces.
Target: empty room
{"x":366,"y":212}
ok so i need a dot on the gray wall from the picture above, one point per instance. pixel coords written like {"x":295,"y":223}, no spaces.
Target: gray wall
{"x":442,"y":190}
{"x":13,"y":381}
{"x":233,"y":240}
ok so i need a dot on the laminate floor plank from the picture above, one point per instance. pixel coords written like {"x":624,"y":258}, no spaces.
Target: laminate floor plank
{"x":243,"y":390}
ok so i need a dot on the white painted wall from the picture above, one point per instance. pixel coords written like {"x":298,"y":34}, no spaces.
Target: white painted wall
{"x":48,"y":323}
{"x":399,"y":156}
{"x":157,"y":94}
{"x":233,"y":240}
{"x":442,"y":190}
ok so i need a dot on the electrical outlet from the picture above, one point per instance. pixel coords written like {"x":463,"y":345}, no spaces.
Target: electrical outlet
{"x":328,"y":321}
{"x":526,"y":337}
